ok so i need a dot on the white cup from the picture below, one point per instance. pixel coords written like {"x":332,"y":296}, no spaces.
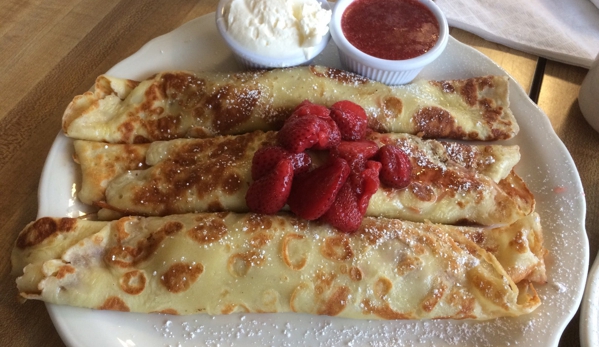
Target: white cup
{"x":588,"y":98}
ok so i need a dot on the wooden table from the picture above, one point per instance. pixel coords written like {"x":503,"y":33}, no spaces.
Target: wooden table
{"x":52,"y":50}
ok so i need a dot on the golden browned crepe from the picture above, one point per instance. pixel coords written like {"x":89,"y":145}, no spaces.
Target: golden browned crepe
{"x":101,"y":162}
{"x":48,"y":238}
{"x":226,"y":262}
{"x":518,"y":247}
{"x":180,"y":104}
{"x":449,"y":183}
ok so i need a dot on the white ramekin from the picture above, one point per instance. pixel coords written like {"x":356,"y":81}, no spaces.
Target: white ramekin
{"x":390,"y":72}
{"x":252,"y":60}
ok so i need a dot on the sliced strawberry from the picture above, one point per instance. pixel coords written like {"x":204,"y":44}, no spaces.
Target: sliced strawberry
{"x":313,"y":193}
{"x":356,"y":153}
{"x":308,"y":108}
{"x":266,"y":158}
{"x":344,"y":214}
{"x":331,"y":136}
{"x":351,"y":120}
{"x":369,"y":184}
{"x":396,"y":171}
{"x":300,"y":133}
{"x":269,"y":193}
{"x":351,"y":203}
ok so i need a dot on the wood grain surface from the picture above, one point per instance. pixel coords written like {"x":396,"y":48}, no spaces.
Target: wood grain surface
{"x":52,"y":50}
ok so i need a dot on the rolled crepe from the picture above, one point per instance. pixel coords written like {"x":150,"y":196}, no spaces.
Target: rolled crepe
{"x":518,"y":247}
{"x":449,"y":182}
{"x":101,"y":162}
{"x":226,"y":262}
{"x":180,"y":104}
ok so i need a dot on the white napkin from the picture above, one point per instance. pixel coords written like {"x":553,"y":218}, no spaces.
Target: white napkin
{"x":561,"y":30}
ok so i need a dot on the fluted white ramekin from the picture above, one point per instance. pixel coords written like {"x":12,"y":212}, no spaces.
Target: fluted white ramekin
{"x":387,"y":71}
{"x":252,"y":60}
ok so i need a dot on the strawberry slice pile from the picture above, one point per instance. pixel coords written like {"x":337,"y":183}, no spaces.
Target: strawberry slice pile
{"x":314,"y":192}
{"x":338,"y":191}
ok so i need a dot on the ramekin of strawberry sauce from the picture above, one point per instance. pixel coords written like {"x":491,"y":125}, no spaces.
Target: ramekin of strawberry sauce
{"x":389,"y":41}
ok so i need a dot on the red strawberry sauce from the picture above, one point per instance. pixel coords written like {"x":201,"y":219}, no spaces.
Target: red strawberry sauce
{"x":390,"y":29}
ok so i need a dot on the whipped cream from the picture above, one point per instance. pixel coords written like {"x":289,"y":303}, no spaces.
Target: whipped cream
{"x":277,"y":28}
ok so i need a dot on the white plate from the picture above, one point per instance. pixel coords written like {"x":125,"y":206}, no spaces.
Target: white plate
{"x":546,"y":166}
{"x":589,"y":314}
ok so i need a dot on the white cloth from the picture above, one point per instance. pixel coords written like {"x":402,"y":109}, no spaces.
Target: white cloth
{"x":561,"y":30}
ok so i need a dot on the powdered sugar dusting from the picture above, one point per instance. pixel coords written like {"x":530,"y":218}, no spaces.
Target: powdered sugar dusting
{"x":269,"y":329}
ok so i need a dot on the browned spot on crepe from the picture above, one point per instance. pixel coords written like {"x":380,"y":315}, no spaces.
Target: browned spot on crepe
{"x":453,"y":180}
{"x":487,"y":289}
{"x":232,"y":106}
{"x":128,"y":128}
{"x":382,"y":287}
{"x":434,"y":121}
{"x":465,"y":301}
{"x":64,"y":270}
{"x":355,"y":273}
{"x":294,"y":265}
{"x":121,"y":228}
{"x":180,"y":276}
{"x":163,"y":128}
{"x":215,"y":206}
{"x":125,"y":256}
{"x":384,"y":311}
{"x":208,"y":231}
{"x":336,"y":302}
{"x":37,"y":232}
{"x":114,"y":303}
{"x":422,"y":192}
{"x":519,"y":242}
{"x":469,"y":92}
{"x":433,"y":297}
{"x":67,"y":224}
{"x":408,"y":264}
{"x":230,"y":308}
{"x":256,"y":222}
{"x":323,"y":281}
{"x":239,"y":264}
{"x":392,"y":106}
{"x":133,"y":282}
{"x":337,"y":248}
